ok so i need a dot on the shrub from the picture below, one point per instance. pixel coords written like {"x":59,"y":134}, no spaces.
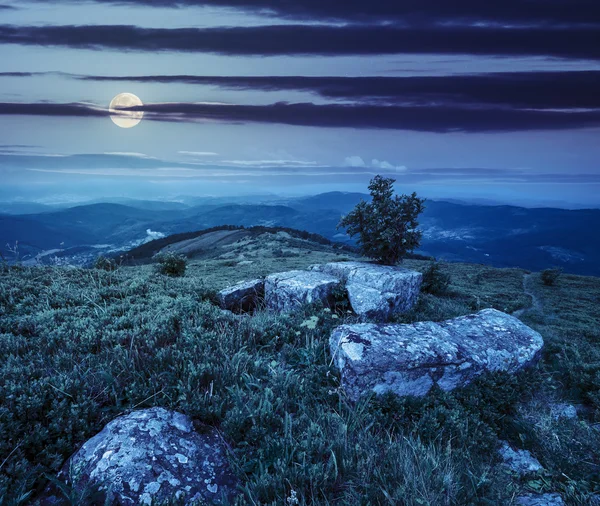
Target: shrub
{"x":386,"y":226}
{"x":550,"y":276}
{"x":105,"y":264}
{"x":171,"y":264}
{"x":435,"y":281}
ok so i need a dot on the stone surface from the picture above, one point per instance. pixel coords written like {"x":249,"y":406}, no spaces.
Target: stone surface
{"x":242,"y":297}
{"x":409,"y":359}
{"x":520,"y":462}
{"x":376,"y":291}
{"x":287,"y":291}
{"x":150,"y":456}
{"x":561,"y":410}
{"x":540,"y":500}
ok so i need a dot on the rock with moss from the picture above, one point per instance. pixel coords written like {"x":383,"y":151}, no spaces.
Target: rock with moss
{"x":376,"y":291}
{"x":148,"y":457}
{"x":287,"y":291}
{"x":242,"y":297}
{"x":410,"y":359}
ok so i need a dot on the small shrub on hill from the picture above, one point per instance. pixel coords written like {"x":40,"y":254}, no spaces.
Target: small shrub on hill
{"x":105,"y":264}
{"x":171,"y":264}
{"x":550,"y":276}
{"x":435,"y":281}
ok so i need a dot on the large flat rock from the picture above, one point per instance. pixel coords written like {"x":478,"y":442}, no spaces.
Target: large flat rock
{"x":149,"y":457}
{"x":242,"y":297}
{"x":376,"y":291}
{"x":287,"y":291}
{"x":410,"y":359}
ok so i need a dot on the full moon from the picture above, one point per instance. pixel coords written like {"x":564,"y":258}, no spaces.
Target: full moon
{"x":125,"y":118}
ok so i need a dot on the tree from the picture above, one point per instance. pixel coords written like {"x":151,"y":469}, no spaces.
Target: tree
{"x":386,"y":226}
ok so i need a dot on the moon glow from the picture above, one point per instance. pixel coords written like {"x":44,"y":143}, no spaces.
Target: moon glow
{"x":123,"y":117}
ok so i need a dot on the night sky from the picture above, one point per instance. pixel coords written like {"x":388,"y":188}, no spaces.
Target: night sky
{"x":457,"y":99}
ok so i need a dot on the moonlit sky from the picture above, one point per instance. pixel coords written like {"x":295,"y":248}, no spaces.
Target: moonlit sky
{"x":453,"y":99}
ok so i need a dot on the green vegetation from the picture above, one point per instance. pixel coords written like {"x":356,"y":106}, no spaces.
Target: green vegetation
{"x":105,"y":264}
{"x":81,"y":346}
{"x":550,"y":276}
{"x":435,"y":281}
{"x":386,"y":226}
{"x":171,"y":264}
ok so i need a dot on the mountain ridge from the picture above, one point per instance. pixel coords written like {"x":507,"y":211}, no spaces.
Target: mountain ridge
{"x":503,"y":236}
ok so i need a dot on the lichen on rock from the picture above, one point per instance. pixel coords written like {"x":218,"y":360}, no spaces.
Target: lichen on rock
{"x":147,"y":457}
{"x":410,"y":359}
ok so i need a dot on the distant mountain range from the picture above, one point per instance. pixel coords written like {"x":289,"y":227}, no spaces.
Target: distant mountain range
{"x":503,"y":236}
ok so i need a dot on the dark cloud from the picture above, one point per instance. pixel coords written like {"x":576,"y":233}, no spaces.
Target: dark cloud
{"x":18,"y":74}
{"x":50,"y":109}
{"x":427,"y":119}
{"x":523,"y":89}
{"x":316,"y":40}
{"x":408,"y":11}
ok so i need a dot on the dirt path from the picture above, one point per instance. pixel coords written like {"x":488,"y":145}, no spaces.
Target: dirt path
{"x":536,"y":304}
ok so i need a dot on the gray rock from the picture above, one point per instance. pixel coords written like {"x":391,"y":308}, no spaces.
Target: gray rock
{"x":243,"y":297}
{"x":520,"y":462}
{"x":376,"y":291}
{"x":151,"y":456}
{"x":565,"y":411}
{"x":287,"y":291}
{"x":410,"y":359}
{"x":540,"y":500}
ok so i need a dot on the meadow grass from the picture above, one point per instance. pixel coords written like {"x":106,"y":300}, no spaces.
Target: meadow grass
{"x":82,"y":346}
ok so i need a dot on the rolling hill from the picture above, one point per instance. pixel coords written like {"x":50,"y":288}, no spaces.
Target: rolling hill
{"x":502,"y":236}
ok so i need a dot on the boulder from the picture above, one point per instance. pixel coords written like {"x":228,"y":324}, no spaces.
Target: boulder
{"x":287,"y":291}
{"x":376,"y":291}
{"x":521,"y":462}
{"x":410,"y":359}
{"x":540,"y":500}
{"x":243,"y":297}
{"x":148,"y":457}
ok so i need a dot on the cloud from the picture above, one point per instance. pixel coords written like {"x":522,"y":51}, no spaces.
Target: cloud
{"x":352,"y":39}
{"x":153,"y":235}
{"x":357,"y":161}
{"x":126,"y":153}
{"x":420,"y":12}
{"x":383,"y":165}
{"x":515,"y":89}
{"x":198,"y":153}
{"x":354,"y":161}
{"x":51,"y":109}
{"x":270,"y":163}
{"x":436,"y":118}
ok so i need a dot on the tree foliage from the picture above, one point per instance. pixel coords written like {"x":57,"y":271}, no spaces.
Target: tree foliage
{"x":386,"y":226}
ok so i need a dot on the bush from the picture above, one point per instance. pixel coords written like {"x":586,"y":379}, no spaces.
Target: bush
{"x":105,"y":264}
{"x":386,"y":226}
{"x":435,"y":281}
{"x":171,"y":264}
{"x":550,"y":276}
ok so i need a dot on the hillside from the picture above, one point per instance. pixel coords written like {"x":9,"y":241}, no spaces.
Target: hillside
{"x":502,"y":236}
{"x":86,"y":345}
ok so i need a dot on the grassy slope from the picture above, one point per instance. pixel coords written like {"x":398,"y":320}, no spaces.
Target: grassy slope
{"x":83,"y":346}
